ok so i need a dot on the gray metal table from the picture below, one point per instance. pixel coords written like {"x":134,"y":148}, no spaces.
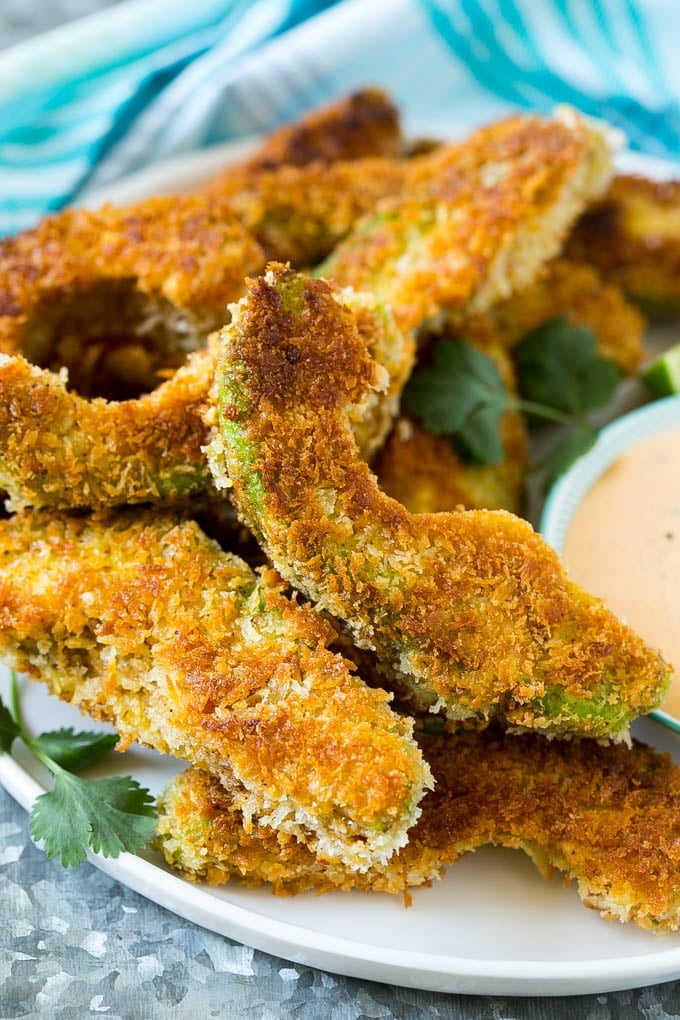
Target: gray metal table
{"x":75,"y":943}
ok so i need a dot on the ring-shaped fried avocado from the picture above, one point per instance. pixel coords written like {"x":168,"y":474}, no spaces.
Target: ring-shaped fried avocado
{"x":61,"y":450}
{"x":142,"y":620}
{"x":471,"y":611}
{"x":120,"y":296}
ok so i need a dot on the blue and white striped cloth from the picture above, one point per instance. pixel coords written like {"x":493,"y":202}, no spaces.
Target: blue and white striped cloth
{"x":146,"y":79}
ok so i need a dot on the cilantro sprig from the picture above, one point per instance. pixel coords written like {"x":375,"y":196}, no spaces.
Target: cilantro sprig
{"x":561,"y":378}
{"x":105,"y":815}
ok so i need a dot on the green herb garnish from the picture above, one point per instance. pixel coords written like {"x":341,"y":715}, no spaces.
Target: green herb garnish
{"x":106,"y":815}
{"x":561,"y":379}
{"x":450,"y":396}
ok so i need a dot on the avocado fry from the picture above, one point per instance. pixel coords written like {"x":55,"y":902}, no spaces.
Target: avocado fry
{"x":472,"y":611}
{"x":143,"y":621}
{"x":606,"y":817}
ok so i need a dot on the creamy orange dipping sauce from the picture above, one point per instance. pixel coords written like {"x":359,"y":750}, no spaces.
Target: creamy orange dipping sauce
{"x":623,"y":544}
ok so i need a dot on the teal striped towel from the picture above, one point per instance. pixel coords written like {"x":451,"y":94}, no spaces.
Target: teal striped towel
{"x":146,"y":79}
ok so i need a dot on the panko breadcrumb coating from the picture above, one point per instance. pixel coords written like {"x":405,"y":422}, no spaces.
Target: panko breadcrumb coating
{"x":606,"y":817}
{"x":476,"y":220}
{"x":308,"y":183}
{"x":61,"y":450}
{"x":365,"y":123}
{"x":633,"y":238}
{"x":571,"y":289}
{"x":300,"y":213}
{"x":427,"y":475}
{"x":143,"y":621}
{"x":121,"y":296}
{"x":471,"y":611}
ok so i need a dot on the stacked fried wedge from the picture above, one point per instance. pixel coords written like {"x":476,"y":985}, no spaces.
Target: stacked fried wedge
{"x":194,"y":358}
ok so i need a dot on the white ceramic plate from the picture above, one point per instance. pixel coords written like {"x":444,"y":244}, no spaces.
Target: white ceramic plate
{"x":492,"y":926}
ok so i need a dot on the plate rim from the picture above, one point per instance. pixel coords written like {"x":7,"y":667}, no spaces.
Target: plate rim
{"x":569,"y":491}
{"x":337,"y":954}
{"x":291,"y":941}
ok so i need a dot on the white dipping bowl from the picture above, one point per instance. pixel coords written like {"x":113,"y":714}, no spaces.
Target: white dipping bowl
{"x":568,"y":492}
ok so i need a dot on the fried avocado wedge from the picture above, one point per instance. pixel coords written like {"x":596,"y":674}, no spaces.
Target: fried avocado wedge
{"x":364,"y":123}
{"x":576,"y":291}
{"x":300,"y":213}
{"x":471,"y":611}
{"x":401,"y":215}
{"x":633,"y":237}
{"x":476,"y":220}
{"x":304,"y":188}
{"x":143,"y":621}
{"x":606,"y":817}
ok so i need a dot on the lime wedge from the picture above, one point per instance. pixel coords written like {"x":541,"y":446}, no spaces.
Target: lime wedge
{"x":662,"y":375}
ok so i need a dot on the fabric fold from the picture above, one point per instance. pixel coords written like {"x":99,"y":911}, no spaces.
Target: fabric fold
{"x":99,"y":98}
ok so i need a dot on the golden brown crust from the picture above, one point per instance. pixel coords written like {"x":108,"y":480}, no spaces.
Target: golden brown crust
{"x":62,"y":450}
{"x":365,"y":123}
{"x":299,"y":213}
{"x":608,"y":817}
{"x":306,"y":186}
{"x":633,"y":237}
{"x":477,"y":219}
{"x":572,"y":289}
{"x":143,"y":621}
{"x":473,"y":608}
{"x":154,"y":278}
{"x":426,"y":475}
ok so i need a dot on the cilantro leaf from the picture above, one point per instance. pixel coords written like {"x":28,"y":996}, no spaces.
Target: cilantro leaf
{"x":108,"y":815}
{"x":55,"y":818}
{"x":9,"y":729}
{"x":558,"y":366}
{"x":561,"y":378}
{"x":75,"y":751}
{"x":459,"y":380}
{"x":599,"y":383}
{"x":479,"y":437}
{"x":461,"y":394}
